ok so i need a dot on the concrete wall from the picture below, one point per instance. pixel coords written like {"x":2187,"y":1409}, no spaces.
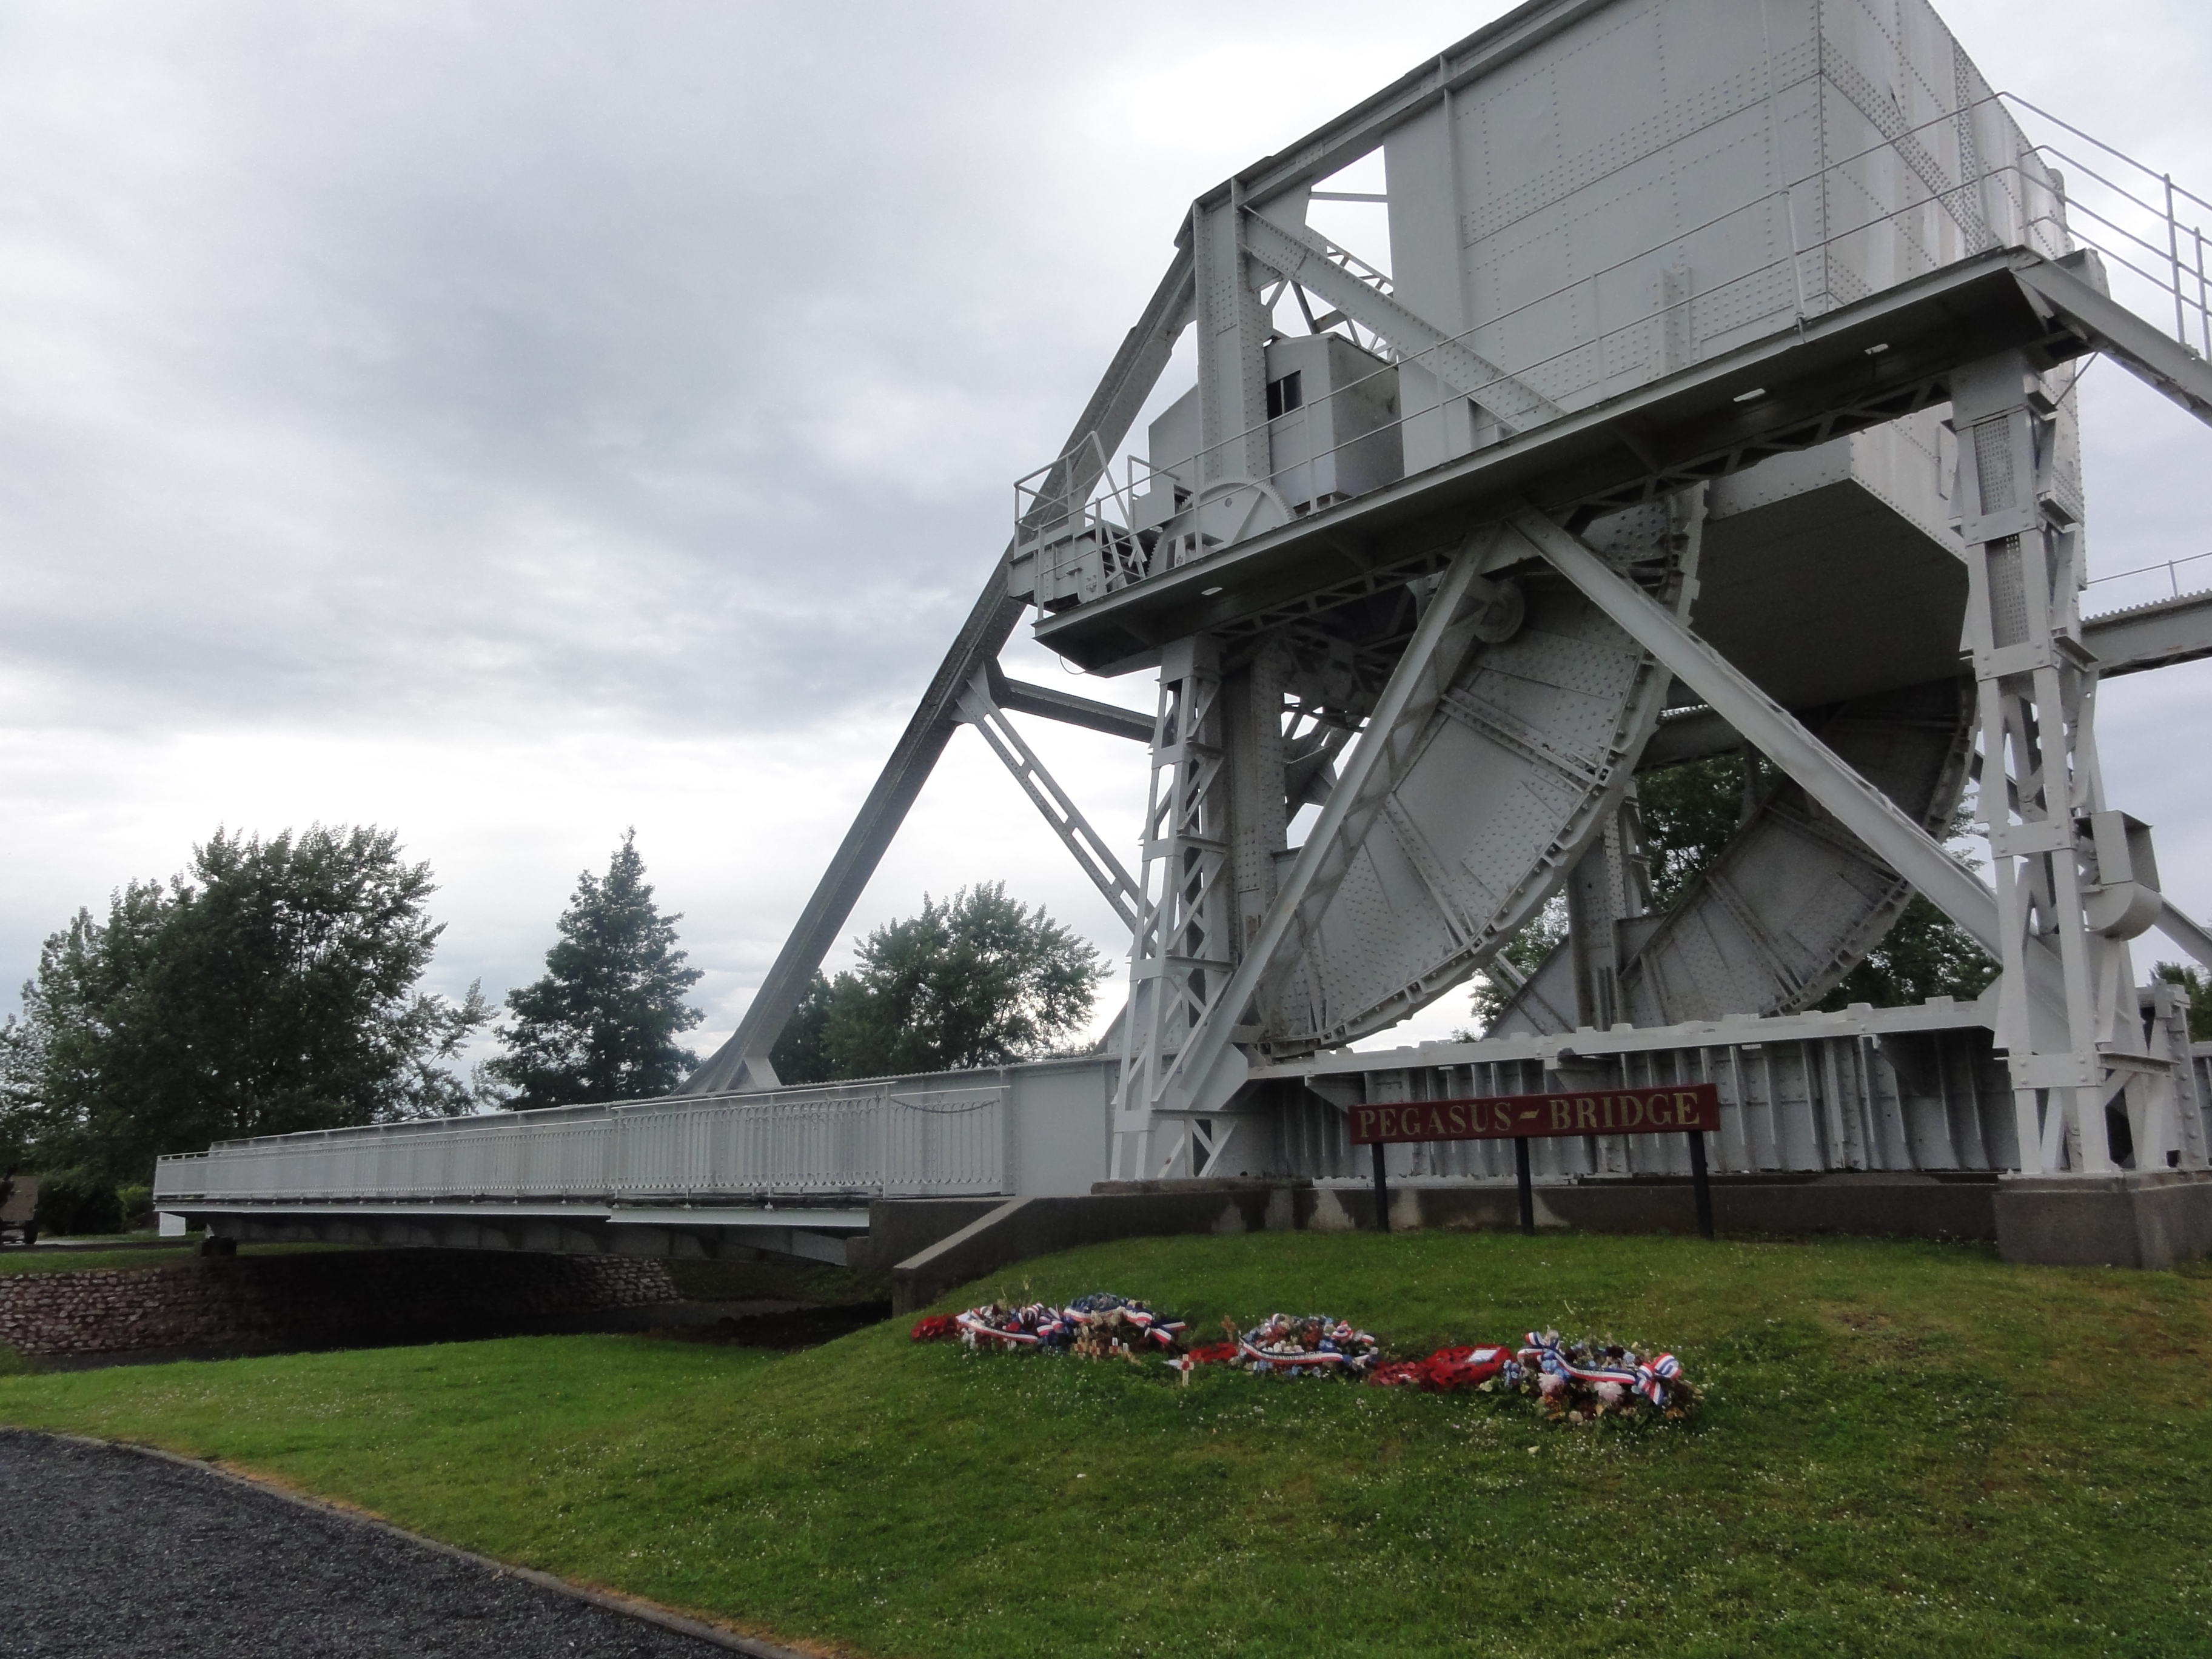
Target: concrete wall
{"x":2156,"y":1220}
{"x":1023,"y":1228}
{"x":1913,"y":1206}
{"x":339,"y":1299}
{"x":1061,"y":1124}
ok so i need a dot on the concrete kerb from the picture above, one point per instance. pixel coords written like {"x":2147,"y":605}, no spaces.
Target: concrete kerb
{"x":632,"y":1607}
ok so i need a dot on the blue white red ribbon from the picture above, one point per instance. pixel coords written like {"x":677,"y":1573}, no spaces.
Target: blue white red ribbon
{"x":1648,"y":1377}
{"x":1038,"y":1325}
{"x":1102,"y":1308}
{"x":1652,"y":1376}
{"x":1314,"y":1345}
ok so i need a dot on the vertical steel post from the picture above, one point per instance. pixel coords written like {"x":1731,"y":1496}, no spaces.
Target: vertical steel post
{"x":1528,"y":1191}
{"x":1381,"y":1189}
{"x":2068,"y":1043}
{"x":1699,"y":1184}
{"x":2174,"y":252}
{"x":1180,"y":955}
{"x":2203,"y":314}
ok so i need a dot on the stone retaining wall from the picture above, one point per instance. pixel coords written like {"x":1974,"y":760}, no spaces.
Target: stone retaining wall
{"x":337,"y":1298}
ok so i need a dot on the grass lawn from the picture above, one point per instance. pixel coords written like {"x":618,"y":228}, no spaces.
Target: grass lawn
{"x":774,"y":1281}
{"x":1904,"y":1447}
{"x":81,"y":1259}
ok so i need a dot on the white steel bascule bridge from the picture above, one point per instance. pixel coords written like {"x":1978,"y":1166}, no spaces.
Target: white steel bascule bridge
{"x":1708,"y":386}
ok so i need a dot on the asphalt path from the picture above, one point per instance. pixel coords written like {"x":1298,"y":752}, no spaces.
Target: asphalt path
{"x":107,"y":1550}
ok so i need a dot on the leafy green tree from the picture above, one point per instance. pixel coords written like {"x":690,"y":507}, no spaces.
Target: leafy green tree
{"x":801,"y":1053}
{"x":2199,"y":987}
{"x":1924,"y":954}
{"x":602,"y":1024}
{"x":74,"y":1202}
{"x":1689,"y":812}
{"x":977,"y":980}
{"x":273,"y":987}
{"x":1524,"y":952}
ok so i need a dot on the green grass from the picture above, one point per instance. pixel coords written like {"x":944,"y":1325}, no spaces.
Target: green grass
{"x":82,"y":1261}
{"x":774,"y":1281}
{"x":1904,"y":1448}
{"x":705,"y":1281}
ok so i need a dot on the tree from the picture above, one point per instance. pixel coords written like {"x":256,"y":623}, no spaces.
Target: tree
{"x":977,"y":980}
{"x":1524,"y":952}
{"x":1924,"y":954}
{"x":273,"y":986}
{"x":2199,"y":990}
{"x":602,"y":1024}
{"x":801,"y":1053}
{"x":1689,"y":813}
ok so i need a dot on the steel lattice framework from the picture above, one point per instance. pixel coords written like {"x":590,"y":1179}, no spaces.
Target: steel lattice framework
{"x":1713,"y":392}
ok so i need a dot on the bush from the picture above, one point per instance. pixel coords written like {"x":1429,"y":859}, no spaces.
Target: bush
{"x":137,"y":1203}
{"x":74,"y":1202}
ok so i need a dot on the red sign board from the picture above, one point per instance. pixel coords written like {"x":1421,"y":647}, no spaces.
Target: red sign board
{"x":1675,"y":1108}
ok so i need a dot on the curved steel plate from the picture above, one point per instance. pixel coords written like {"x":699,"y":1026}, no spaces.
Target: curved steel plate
{"x":1793,"y":901}
{"x":1531,"y":747}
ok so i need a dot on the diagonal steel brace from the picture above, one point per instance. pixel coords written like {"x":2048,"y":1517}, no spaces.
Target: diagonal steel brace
{"x":1304,"y":260}
{"x":1861,"y":808}
{"x":1088,"y":849}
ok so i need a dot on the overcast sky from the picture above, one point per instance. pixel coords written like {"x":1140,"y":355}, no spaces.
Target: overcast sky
{"x":510,"y":424}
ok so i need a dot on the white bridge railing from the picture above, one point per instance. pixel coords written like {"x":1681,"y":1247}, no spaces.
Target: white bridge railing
{"x":900,"y":1138}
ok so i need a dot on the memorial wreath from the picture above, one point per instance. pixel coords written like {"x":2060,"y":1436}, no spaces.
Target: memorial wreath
{"x":1311,"y":1345}
{"x":1577,"y":1382}
{"x":1097,"y":1327}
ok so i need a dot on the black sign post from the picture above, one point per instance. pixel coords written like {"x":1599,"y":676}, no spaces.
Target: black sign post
{"x":1698,"y":1182}
{"x":1527,"y":1188}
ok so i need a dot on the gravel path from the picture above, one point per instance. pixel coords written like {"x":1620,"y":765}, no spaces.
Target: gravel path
{"x":104,"y":1550}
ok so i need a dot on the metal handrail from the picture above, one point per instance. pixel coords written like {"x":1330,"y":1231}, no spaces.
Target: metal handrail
{"x":2053,"y":216}
{"x":2164,"y":213}
{"x":892,"y":1138}
{"x":2170,"y":566}
{"x":1031,"y":518}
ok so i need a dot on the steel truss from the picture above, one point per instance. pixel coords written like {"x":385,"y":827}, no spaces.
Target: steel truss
{"x":2074,"y":880}
{"x":1084,"y":844}
{"x":1182,"y":954}
{"x":1221,"y":911}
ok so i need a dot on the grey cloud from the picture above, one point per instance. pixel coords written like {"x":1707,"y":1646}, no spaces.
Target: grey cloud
{"x":463,"y":376}
{"x":652,"y":358}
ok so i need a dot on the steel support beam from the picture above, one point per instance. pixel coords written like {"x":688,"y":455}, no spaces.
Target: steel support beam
{"x":1232,"y":344}
{"x":1851,"y":800}
{"x":2185,"y":931}
{"x":1182,"y":951}
{"x":1051,"y":703}
{"x":2036,"y":690}
{"x":1303,"y":258}
{"x":2154,"y":636}
{"x":1083,"y":843}
{"x":2078,"y":298}
{"x":1362,"y":128}
{"x":742,"y":1061}
{"x":1209,"y":1068}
